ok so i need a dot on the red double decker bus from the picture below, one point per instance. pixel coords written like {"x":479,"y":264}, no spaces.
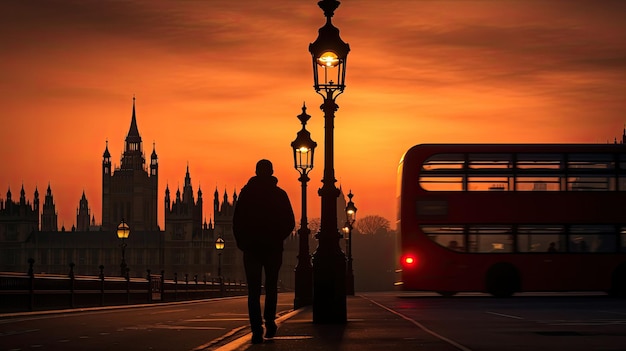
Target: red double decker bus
{"x":506,"y":218}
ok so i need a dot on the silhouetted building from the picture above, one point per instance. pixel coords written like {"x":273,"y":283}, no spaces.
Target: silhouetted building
{"x":130,"y":192}
{"x":18,"y":219}
{"x":83,"y":215}
{"x":49,"y":215}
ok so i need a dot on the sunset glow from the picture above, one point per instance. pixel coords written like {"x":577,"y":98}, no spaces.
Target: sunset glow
{"x":207,"y":97}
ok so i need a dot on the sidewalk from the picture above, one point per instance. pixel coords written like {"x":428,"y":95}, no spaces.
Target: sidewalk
{"x":369,"y":327}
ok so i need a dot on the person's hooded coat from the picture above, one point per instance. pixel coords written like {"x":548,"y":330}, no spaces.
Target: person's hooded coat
{"x":263,"y":216}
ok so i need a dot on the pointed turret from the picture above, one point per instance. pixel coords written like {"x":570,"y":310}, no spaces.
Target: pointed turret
{"x":83,"y":215}
{"x":106,"y":154}
{"x":48,"y":213}
{"x":133,"y":152}
{"x":133,"y":131}
{"x":216,"y":202}
{"x":154,"y":161}
{"x":36,"y":202}
{"x":22,"y":196}
{"x":167,"y":198}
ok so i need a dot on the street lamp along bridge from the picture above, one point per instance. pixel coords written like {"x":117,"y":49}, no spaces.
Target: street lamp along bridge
{"x":329,"y":55}
{"x":303,"y":152}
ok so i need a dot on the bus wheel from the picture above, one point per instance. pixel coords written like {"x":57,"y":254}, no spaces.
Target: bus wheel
{"x":446,"y":293}
{"x":502,"y":280}
{"x":618,"y":281}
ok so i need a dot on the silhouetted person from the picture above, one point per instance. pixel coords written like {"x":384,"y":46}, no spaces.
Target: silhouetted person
{"x":263,"y":219}
{"x":552,"y":247}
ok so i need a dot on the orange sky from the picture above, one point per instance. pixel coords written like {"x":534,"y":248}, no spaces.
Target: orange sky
{"x":219,"y":85}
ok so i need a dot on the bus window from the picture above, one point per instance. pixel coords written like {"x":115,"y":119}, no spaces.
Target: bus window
{"x":591,"y":183}
{"x":592,"y":238}
{"x":488,"y":184}
{"x":444,"y":162}
{"x":535,"y":183}
{"x":541,"y":238}
{"x":539,"y":161}
{"x":493,"y":239}
{"x":489,"y":161}
{"x":590,"y":161}
{"x":450,"y":237}
{"x":441,"y":183}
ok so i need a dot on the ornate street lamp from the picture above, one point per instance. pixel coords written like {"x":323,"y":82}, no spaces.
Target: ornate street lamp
{"x":351,"y":218}
{"x":123,"y":231}
{"x":303,"y":152}
{"x":329,"y":54}
{"x":219,"y":246}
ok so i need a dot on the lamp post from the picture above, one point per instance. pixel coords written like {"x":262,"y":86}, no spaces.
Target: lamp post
{"x":303,"y":152}
{"x":123,"y":231}
{"x":351,"y":218}
{"x":219,"y":246}
{"x":329,"y":54}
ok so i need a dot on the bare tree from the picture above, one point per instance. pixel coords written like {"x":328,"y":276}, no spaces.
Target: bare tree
{"x":373,"y":224}
{"x":314,"y":225}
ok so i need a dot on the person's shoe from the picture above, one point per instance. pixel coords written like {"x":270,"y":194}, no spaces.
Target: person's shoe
{"x":270,"y":330}
{"x":257,"y":337}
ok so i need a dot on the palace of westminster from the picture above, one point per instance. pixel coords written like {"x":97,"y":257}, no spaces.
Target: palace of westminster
{"x":129,"y":193}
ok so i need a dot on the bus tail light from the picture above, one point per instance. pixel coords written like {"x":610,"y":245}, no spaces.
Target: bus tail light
{"x":409,"y":261}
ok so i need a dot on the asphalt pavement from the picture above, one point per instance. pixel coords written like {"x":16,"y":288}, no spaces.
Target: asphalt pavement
{"x":370,"y":327}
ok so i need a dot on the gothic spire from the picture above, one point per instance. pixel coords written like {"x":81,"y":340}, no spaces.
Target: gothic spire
{"x":133,"y":131}
{"x":106,"y":153}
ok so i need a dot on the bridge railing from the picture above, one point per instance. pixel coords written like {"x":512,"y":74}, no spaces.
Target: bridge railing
{"x":30,"y":292}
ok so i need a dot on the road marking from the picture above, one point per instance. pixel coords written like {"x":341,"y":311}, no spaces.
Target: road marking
{"x":419,"y":325}
{"x":613,"y":312}
{"x":216,"y":319}
{"x":172,"y":327}
{"x":238,"y":343}
{"x":293,"y":337}
{"x":504,"y":315}
{"x":215,"y":341}
{"x":170,"y":311}
{"x":16,"y":332}
{"x":229,"y":314}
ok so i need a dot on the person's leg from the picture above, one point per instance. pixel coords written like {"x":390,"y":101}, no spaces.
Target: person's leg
{"x":253,"y":267}
{"x":272,"y":265}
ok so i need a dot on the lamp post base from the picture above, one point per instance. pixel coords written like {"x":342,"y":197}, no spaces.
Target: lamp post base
{"x":329,"y":288}
{"x":304,"y":286}
{"x":350,"y":279}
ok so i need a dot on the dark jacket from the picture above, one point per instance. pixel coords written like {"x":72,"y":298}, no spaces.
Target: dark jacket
{"x":263,"y":215}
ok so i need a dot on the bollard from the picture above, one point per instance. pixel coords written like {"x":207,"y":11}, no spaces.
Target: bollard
{"x":101,"y":285}
{"x":127,"y":276}
{"x":175,"y":286}
{"x":162,"y":285}
{"x":149,"y":285}
{"x":31,"y":276}
{"x":71,"y":275}
{"x":187,"y":286}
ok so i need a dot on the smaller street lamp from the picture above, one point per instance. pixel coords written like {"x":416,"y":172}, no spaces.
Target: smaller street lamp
{"x":219,"y":246}
{"x":351,"y":218}
{"x":123,"y":231}
{"x":303,"y":151}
